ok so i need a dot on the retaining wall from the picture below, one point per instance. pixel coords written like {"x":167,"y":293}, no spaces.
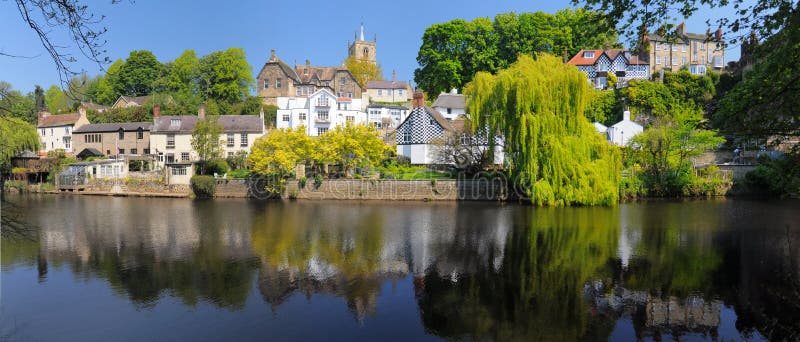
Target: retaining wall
{"x":394,"y":190}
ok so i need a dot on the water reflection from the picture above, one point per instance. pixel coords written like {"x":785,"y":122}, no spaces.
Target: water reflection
{"x":476,"y":271}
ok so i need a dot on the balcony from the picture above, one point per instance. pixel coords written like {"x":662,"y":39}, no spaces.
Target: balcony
{"x":322,"y":103}
{"x":323,"y":119}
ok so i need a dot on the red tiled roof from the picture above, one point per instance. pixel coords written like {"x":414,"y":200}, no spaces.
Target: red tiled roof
{"x":58,"y":120}
{"x":578,"y":59}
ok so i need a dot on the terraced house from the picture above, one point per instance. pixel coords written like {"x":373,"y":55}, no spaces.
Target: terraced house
{"x":112,"y":139}
{"x":697,"y":52}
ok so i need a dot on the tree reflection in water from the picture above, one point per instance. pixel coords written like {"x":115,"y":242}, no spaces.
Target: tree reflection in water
{"x":478,"y":271}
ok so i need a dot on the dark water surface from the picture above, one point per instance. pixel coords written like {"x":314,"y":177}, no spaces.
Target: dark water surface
{"x":109,"y":269}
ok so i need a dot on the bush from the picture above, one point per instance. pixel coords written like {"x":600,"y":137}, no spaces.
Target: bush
{"x":213,"y":166}
{"x":778,"y":177}
{"x":241,"y":173}
{"x":238,"y":161}
{"x":301,"y":183}
{"x":317,"y":181}
{"x":203,"y":186}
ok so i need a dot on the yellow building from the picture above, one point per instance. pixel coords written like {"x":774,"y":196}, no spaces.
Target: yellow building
{"x":697,"y":52}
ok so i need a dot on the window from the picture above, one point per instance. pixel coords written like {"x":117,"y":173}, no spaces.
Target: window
{"x":449,"y":110}
{"x":380,"y":92}
{"x":179,"y":170}
{"x":66,"y":130}
{"x":666,"y":47}
{"x":244,"y":139}
{"x":683,"y":61}
{"x":146,"y":151}
{"x":108,"y":152}
{"x":702,"y":59}
{"x":230,"y":154}
{"x":278,"y":82}
{"x":406,"y":137}
{"x":674,"y":47}
{"x":350,"y":119}
{"x":703,"y":46}
{"x":400,"y":92}
{"x":266,"y":83}
{"x":323,"y":115}
{"x":350,"y":95}
{"x":464,"y":139}
{"x":51,"y":132}
{"x":184,"y":156}
{"x":658,"y":45}
{"x":140,"y":134}
{"x":658,"y":60}
{"x":590,"y":54}
{"x":302,"y":116}
{"x":342,"y":80}
{"x":170,"y":157}
{"x":305,"y":71}
{"x":175,"y":122}
{"x":666,"y":61}
{"x":432,"y":121}
{"x":231,"y":139}
{"x":121,"y":134}
{"x":134,"y":151}
{"x":170,"y":140}
{"x":121,"y":151}
{"x":285,"y":117}
{"x":67,"y":141}
{"x":343,"y":106}
{"x":321,"y":130}
{"x":683,"y":47}
{"x":674,"y":60}
{"x":43,"y":133}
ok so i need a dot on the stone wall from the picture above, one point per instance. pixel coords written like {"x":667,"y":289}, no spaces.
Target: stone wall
{"x":232,"y":188}
{"x":137,"y":187}
{"x":412,"y":190}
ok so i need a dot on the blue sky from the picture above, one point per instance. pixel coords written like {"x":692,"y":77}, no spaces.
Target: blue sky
{"x":315,"y":30}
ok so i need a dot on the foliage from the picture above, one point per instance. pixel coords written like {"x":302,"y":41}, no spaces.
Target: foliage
{"x":238,"y":161}
{"x":57,"y":101}
{"x":301,"y":182}
{"x":778,"y":177}
{"x":203,"y":186}
{"x":679,"y":89}
{"x":281,"y":150}
{"x":363,"y":71}
{"x":16,"y":136}
{"x":270,"y":115}
{"x":317,"y":181}
{"x":127,"y":114}
{"x":453,"y":52}
{"x":239,"y":174}
{"x":464,"y":149}
{"x":137,"y":75}
{"x":214,"y":166}
{"x":352,"y":146}
{"x":538,"y":106}
{"x":225,"y":75}
{"x":604,"y":107}
{"x":667,"y":148}
{"x":14,"y":104}
{"x":206,"y":139}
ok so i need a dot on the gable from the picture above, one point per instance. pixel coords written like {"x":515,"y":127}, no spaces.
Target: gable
{"x":421,"y":126}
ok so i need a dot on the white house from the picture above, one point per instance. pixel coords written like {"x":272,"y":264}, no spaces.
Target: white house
{"x":602,"y":129}
{"x":416,"y":135}
{"x":55,"y":131}
{"x":386,"y":115}
{"x":450,"y":105}
{"x":598,"y":64}
{"x":171,"y":135}
{"x":318,"y":112}
{"x":622,"y":132}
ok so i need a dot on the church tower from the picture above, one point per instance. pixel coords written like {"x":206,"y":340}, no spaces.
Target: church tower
{"x":363,"y":49}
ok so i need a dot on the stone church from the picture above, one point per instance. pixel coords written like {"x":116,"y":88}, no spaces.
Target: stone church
{"x":278,"y":79}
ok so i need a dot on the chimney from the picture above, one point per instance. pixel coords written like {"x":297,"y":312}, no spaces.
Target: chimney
{"x":42,"y":114}
{"x":626,"y":115}
{"x":156,"y":110}
{"x":718,"y":35}
{"x":394,"y":75}
{"x":608,"y":46}
{"x":272,"y":55}
{"x":454,"y":91}
{"x":308,"y":63}
{"x":201,"y":112}
{"x":419,"y":100}
{"x":681,"y":29}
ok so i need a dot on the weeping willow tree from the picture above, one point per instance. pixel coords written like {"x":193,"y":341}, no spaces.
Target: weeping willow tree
{"x":553,"y":151}
{"x":16,"y":136}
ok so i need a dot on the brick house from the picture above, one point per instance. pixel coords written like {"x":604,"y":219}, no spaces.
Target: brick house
{"x":110,"y":139}
{"x":278,"y":79}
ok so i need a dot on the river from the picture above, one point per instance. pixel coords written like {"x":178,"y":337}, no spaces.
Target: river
{"x":107,"y":268}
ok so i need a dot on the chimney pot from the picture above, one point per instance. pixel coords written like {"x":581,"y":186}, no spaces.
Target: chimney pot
{"x":272,"y":55}
{"x":419,"y":100}
{"x":308,"y":62}
{"x":156,"y":110}
{"x":626,"y":115}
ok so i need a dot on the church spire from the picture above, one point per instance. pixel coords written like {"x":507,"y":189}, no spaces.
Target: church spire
{"x":362,"y":31}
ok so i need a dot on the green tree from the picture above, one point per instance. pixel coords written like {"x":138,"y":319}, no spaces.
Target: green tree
{"x":206,"y":140}
{"x":225,"y":76}
{"x":137,"y":75}
{"x":57,"y":100}
{"x":107,"y":89}
{"x":668,"y":146}
{"x":538,"y":106}
{"x":453,"y":52}
{"x":14,"y":104}
{"x":16,"y":136}
{"x":180,"y":75}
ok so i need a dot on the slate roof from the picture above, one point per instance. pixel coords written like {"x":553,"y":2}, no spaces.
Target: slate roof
{"x":58,"y":120}
{"x":447,"y":100}
{"x":387,"y":85}
{"x":113,"y":127}
{"x":229,"y":123}
{"x":390,"y":106}
{"x":612,"y":54}
{"x":316,"y":73}
{"x":273,"y":59}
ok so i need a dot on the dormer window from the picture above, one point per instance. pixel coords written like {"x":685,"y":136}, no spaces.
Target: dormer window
{"x":588,"y":54}
{"x":305,"y":71}
{"x":174,"y":122}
